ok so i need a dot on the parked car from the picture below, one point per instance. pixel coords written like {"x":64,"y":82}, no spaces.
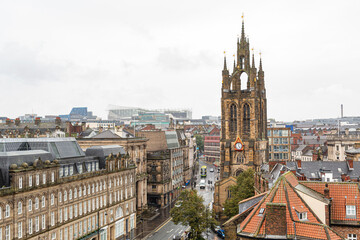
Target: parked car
{"x":211,"y":170}
{"x":202,"y":183}
{"x":221,"y":233}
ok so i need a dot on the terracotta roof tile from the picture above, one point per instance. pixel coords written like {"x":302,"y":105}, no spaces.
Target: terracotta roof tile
{"x":341,"y":194}
{"x":283,"y":192}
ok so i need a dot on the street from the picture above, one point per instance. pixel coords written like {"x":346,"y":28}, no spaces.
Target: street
{"x":168,"y":230}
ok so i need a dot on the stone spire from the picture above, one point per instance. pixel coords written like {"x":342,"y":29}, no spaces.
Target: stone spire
{"x":225,"y":67}
{"x":253,"y":58}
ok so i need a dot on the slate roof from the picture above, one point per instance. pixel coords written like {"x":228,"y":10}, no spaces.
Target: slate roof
{"x":312,"y":169}
{"x":283,"y":192}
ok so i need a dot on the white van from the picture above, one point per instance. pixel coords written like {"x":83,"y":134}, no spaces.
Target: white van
{"x":202,"y":183}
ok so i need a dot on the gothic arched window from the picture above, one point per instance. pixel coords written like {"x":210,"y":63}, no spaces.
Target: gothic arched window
{"x":246,"y":119}
{"x":233,"y":118}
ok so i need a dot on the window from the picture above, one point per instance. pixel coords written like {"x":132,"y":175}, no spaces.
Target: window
{"x":84,"y":191}
{"x":30,"y":205}
{"x":80,"y":228}
{"x":60,"y":197}
{"x":36,"y":203}
{"x":61,"y":234}
{"x":88,"y":190}
{"x":71,"y":170}
{"x":66,"y":171}
{"x":75,"y":193}
{"x":43,"y":223}
{"x":52,"y":218}
{"x":30,"y":181}
{"x":37,"y":223}
{"x":65,"y":214}
{"x":7,"y":232}
{"x":352,"y":237}
{"x":44,"y":178}
{"x":19,"y":229}
{"x":246,"y":119}
{"x":350,"y":210}
{"x":43,"y":201}
{"x":70,"y":194}
{"x":80,"y":208}
{"x":20,"y":182}
{"x":233,"y":118}
{"x":30,"y":227}
{"x":53,"y":236}
{"x":19,"y":207}
{"x":37,"y":180}
{"x":60,"y":215}
{"x":75,"y":210}
{"x":92,"y":188}
{"x":52,"y":177}
{"x":70,"y":212}
{"x":302,"y":216}
{"x":79,"y":191}
{"x":52,"y":199}
{"x":7,"y":211}
{"x":65,"y":196}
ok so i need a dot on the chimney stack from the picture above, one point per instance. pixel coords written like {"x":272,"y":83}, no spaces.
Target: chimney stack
{"x":58,"y":121}
{"x":275,"y":223}
{"x":17,"y":121}
{"x":327,"y":191}
{"x":37,"y":121}
{"x":298,"y":163}
{"x":342,"y":111}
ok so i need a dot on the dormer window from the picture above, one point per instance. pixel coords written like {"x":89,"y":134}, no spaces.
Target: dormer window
{"x":302,"y":216}
{"x":350,"y":210}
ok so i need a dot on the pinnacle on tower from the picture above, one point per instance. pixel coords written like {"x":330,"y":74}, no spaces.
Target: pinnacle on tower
{"x":260,"y":66}
{"x":253,"y":58}
{"x":225,"y":67}
{"x":242,"y":29}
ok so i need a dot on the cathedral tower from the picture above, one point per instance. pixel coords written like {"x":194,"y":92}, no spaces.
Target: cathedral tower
{"x":243,"y":113}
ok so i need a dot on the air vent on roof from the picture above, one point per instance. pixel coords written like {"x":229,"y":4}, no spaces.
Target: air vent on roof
{"x":339,"y":170}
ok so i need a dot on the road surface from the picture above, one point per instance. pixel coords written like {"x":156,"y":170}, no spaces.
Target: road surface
{"x":168,"y":230}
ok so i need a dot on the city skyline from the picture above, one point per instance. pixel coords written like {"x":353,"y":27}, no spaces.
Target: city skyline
{"x":54,"y":56}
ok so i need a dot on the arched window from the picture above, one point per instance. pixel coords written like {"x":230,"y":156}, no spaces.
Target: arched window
{"x":246,"y":119}
{"x":30,"y":205}
{"x":241,"y":157}
{"x":119,"y":213}
{"x":52,"y":199}
{"x":233,"y":118}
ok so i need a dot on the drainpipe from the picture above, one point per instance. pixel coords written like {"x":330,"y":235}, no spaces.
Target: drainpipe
{"x":294,"y":230}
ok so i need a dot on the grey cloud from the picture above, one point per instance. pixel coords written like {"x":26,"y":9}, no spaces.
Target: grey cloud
{"x":26,"y":65}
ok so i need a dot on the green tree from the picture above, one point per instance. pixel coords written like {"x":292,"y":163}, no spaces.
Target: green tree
{"x":200,"y":142}
{"x":244,"y":188}
{"x":190,"y":211}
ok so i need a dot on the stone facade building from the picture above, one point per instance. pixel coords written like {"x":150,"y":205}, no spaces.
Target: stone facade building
{"x":243,"y":113}
{"x":279,"y":143}
{"x":54,"y":190}
{"x":243,"y":117}
{"x":338,"y":145}
{"x":136,"y":148}
{"x":159,"y":182}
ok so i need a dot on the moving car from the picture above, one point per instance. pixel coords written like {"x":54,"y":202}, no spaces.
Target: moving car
{"x":221,"y":233}
{"x":202,"y":183}
{"x":211,"y":170}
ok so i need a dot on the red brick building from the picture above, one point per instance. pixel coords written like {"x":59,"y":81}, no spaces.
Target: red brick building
{"x":212,"y":149}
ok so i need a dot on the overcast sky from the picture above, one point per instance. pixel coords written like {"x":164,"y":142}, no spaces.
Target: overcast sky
{"x":169,"y":54}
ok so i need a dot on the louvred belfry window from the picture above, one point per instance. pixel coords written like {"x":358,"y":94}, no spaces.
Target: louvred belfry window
{"x":233,"y":118}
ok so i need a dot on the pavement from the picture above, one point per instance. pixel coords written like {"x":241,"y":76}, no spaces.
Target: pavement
{"x":166,"y":229}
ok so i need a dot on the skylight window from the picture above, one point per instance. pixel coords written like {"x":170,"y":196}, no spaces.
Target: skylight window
{"x":262,"y":210}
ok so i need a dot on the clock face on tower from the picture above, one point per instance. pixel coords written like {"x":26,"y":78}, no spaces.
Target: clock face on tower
{"x":239,"y":146}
